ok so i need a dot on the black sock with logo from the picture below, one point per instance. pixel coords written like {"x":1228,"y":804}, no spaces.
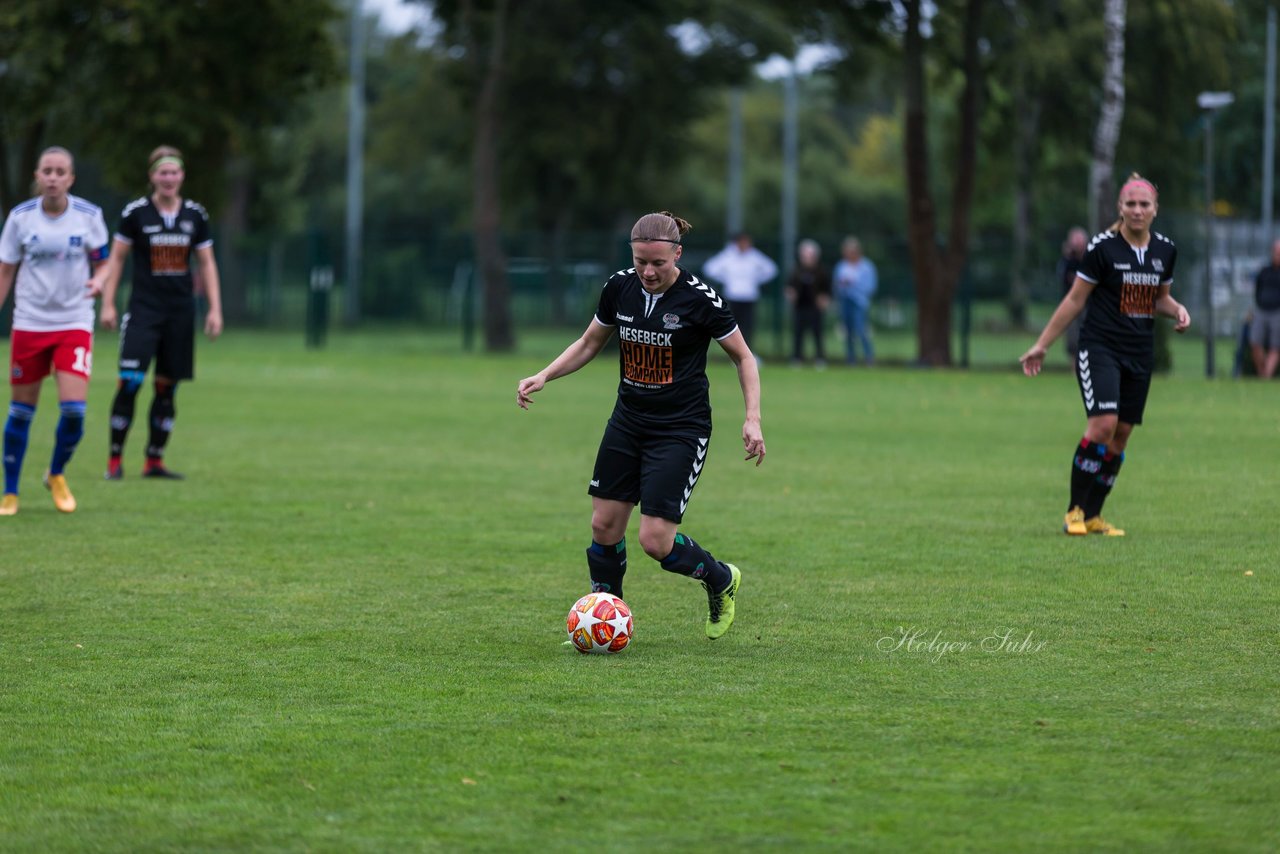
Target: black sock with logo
{"x":1102,"y":484}
{"x":692,"y":560}
{"x":1085,"y":465}
{"x":607,"y":565}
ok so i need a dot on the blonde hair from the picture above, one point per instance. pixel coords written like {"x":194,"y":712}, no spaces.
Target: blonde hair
{"x":663,"y":227}
{"x":1134,"y":178}
{"x":159,"y":153}
{"x":53,"y":149}
{"x":58,"y":149}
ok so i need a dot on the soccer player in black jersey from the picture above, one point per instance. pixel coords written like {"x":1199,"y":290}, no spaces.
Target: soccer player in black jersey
{"x":164,"y":231}
{"x":1124,"y":280}
{"x":655,"y":443}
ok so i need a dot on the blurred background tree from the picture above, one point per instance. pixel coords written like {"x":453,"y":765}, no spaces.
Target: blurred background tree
{"x":606,"y":110}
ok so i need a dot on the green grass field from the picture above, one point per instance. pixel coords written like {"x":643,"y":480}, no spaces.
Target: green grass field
{"x":342,"y":632}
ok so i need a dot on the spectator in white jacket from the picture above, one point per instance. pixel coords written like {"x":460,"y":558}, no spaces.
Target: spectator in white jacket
{"x":740,"y":269}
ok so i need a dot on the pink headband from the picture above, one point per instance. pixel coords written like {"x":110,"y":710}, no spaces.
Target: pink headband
{"x":1141,"y":182}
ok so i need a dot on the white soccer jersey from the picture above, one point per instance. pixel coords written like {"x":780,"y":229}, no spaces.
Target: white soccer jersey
{"x":53,"y":255}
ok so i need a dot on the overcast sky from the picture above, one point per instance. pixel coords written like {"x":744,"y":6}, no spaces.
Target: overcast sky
{"x":399,"y":16}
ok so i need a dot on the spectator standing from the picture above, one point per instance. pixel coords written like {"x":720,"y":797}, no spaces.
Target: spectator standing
{"x":1264,"y":330}
{"x":809,"y":293}
{"x":741,"y":269}
{"x":856,"y":282}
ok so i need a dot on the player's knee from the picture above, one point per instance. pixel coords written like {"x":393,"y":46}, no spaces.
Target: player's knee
{"x":131,"y":381}
{"x":657,"y":544}
{"x":605,"y":529}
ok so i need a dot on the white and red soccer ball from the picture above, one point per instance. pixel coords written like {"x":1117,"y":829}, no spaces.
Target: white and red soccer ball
{"x":599,"y":623}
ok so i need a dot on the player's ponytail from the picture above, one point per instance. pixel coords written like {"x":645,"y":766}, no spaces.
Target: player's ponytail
{"x":663,"y":227}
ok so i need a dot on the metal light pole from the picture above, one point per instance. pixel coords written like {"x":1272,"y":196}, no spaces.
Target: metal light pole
{"x":733,"y":199}
{"x":1210,"y":102}
{"x":790,"y":183}
{"x":1269,"y":126}
{"x":355,"y":165}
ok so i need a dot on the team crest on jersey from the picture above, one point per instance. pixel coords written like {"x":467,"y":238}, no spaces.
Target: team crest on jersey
{"x":76,"y":240}
{"x":1157,"y":265}
{"x":670,"y":321}
{"x":187,"y":226}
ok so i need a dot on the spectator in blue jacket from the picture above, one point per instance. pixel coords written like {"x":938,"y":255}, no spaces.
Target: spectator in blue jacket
{"x":856,"y":283}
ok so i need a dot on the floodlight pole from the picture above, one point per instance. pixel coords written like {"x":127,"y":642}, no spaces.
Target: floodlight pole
{"x":733,"y":201}
{"x":1269,"y":127}
{"x":1210,"y":102}
{"x":355,"y":165}
{"x":790,"y":180}
{"x":1209,"y":367}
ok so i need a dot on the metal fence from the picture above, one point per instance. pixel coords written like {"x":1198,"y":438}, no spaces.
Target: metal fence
{"x":430,"y":281}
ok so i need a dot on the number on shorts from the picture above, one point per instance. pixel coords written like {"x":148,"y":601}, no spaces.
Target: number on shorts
{"x":84,"y":361}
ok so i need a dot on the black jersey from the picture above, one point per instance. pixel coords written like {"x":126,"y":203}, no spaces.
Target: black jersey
{"x":662,"y":344}
{"x":1122,"y":307}
{"x":162,"y":248}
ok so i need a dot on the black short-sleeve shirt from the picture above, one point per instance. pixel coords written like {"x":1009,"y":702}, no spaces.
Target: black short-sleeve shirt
{"x":1122,"y":308}
{"x":162,"y":248}
{"x":1266,"y":292}
{"x":662,"y":350}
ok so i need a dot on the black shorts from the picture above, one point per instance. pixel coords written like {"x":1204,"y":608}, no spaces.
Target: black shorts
{"x":656,"y":471}
{"x":1112,"y":384}
{"x":167,"y":336}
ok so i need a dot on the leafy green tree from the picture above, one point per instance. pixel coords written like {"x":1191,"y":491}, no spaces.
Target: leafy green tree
{"x":40,"y":43}
{"x":121,"y":76}
{"x":115,"y":78}
{"x":580,"y":118}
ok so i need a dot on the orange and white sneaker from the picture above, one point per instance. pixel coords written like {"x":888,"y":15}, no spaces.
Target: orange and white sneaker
{"x":9,"y":505}
{"x":62,"y":497}
{"x":1098,"y":525}
{"x":1073,"y":523}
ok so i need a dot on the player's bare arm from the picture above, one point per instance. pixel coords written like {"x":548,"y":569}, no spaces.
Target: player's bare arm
{"x":7,"y":272}
{"x":1068,"y":310}
{"x":94,"y":285}
{"x":749,"y":378}
{"x":107,"y":278}
{"x":212,"y":289}
{"x":576,"y":355}
{"x":1167,"y":306}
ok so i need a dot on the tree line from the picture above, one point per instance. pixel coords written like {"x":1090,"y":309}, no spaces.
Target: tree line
{"x":937,"y":120}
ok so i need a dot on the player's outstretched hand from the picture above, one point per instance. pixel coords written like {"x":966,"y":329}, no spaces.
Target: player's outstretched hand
{"x":753,"y":441}
{"x":1032,"y":360}
{"x":94,"y":287}
{"x":527,"y":387}
{"x":1182,"y":321}
{"x":107,"y":316}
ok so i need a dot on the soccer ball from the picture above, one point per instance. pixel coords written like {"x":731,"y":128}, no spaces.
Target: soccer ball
{"x":599,"y":623}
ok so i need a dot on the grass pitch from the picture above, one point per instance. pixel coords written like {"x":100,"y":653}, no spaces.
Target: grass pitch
{"x":342,"y":632}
